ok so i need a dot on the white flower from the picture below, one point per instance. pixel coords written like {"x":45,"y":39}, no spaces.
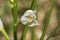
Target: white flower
{"x":1,"y":25}
{"x":30,"y":18}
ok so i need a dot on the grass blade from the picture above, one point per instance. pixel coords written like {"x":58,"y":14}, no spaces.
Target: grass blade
{"x":54,"y":31}
{"x":47,"y":21}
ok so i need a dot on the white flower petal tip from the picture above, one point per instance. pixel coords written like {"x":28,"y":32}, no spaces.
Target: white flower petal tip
{"x":35,"y":23}
{"x":28,"y":12}
{"x":30,"y":18}
{"x":1,"y":25}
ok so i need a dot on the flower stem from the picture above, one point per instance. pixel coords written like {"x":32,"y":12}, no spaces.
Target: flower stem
{"x":24,"y":32}
{"x":15,"y":33}
{"x":32,"y":7}
{"x":32,"y":33}
{"x":33,"y":4}
{"x":47,"y":21}
{"x":14,"y":14}
{"x":5,"y":34}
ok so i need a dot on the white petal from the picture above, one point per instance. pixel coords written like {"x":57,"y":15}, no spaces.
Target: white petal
{"x":1,"y":25}
{"x":34,"y":16}
{"x":24,"y":20}
{"x":28,"y":12}
{"x":35,"y":23}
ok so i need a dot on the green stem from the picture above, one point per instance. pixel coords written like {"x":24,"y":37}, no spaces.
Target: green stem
{"x":14,"y":11}
{"x":5,"y":34}
{"x":24,"y":32}
{"x":33,"y":4}
{"x":14,"y":14}
{"x":47,"y":21}
{"x":32,"y":33}
{"x":32,"y":7}
{"x":15,"y":33}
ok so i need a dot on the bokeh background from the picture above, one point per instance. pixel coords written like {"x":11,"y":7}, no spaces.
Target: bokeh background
{"x":43,"y":7}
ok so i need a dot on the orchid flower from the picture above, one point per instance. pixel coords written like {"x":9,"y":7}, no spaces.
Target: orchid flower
{"x":30,"y":18}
